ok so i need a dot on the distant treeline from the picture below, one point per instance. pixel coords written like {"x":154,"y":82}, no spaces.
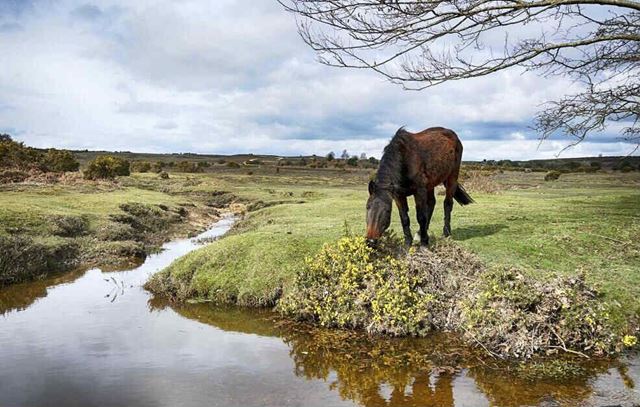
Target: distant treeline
{"x":18,"y":162}
{"x":584,"y":164}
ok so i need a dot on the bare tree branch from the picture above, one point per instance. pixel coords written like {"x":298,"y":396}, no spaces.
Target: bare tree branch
{"x":422,"y":43}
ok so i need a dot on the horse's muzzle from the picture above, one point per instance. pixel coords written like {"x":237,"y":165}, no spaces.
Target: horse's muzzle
{"x":373,"y":243}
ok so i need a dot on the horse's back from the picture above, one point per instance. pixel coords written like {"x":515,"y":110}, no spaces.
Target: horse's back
{"x":436,"y":155}
{"x":437,"y":133}
{"x":439,"y":141}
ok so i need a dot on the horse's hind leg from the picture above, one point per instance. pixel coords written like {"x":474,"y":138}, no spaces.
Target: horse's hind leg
{"x":448,"y":206}
{"x":425,"y":203}
{"x":403,"y":208}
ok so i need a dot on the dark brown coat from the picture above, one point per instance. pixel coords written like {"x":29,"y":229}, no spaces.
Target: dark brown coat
{"x":414,"y":164}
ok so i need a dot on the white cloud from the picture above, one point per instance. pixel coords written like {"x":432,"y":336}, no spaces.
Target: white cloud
{"x":227,"y":77}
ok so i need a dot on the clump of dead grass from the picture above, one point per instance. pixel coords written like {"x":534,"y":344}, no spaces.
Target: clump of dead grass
{"x":516,"y":315}
{"x":480,"y":181}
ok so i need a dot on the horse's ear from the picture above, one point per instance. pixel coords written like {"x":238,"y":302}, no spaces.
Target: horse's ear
{"x":372,"y":187}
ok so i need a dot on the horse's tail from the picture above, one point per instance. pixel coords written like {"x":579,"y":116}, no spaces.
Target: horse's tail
{"x":461,"y":196}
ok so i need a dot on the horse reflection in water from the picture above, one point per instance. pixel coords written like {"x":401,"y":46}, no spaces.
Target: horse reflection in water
{"x":379,"y":371}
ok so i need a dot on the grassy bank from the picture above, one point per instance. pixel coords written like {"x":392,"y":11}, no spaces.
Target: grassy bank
{"x":584,"y":222}
{"x":48,"y":228}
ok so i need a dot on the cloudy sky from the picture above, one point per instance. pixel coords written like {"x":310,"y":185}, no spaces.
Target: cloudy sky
{"x":230,"y":76}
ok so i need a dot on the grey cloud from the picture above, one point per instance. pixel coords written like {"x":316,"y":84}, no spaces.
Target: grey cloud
{"x":87,"y":11}
{"x":166,"y":125}
{"x":10,"y":27}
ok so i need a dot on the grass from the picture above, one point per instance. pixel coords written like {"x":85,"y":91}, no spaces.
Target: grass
{"x":99,"y":219}
{"x":582,"y":222}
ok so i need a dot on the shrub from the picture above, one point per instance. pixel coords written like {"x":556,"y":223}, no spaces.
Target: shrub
{"x":15,"y":154}
{"x":233,"y":164}
{"x":163,"y":175}
{"x":349,"y":285}
{"x":106,"y":167}
{"x":187,"y":166}
{"x":157,"y":167}
{"x":353,"y":161}
{"x":141,"y":166}
{"x":572,"y":165}
{"x":552,"y":176}
{"x":624,"y":166}
{"x":60,"y":161}
{"x":68,"y":225}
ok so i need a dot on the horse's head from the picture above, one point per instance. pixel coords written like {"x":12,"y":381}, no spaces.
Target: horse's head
{"x":378,"y":211}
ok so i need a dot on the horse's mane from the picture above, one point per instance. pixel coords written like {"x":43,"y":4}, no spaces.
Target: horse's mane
{"x":390,"y":170}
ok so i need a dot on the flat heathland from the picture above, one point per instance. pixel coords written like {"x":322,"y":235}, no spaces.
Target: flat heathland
{"x":582,"y":222}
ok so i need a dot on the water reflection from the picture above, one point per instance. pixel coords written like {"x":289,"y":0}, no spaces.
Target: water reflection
{"x":436,"y":371}
{"x":20,"y":296}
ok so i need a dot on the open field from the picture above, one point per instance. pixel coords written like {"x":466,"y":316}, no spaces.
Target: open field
{"x":580,"y":223}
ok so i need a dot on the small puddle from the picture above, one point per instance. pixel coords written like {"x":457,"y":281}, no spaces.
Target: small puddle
{"x":98,"y":338}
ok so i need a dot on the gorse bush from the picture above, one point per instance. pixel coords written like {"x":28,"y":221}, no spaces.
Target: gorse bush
{"x":106,"y":167}
{"x":60,"y":161}
{"x":187,"y":166}
{"x":350,"y":285}
{"x":17,"y":156}
{"x":552,"y":176}
{"x":141,"y":166}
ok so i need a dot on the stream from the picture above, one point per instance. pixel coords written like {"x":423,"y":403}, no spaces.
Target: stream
{"x":97,"y":338}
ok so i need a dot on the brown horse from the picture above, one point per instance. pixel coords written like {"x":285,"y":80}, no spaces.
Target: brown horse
{"x":414,"y":164}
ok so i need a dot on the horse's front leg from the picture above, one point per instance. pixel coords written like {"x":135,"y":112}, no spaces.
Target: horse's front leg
{"x":403,"y":208}
{"x":425,"y":202}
